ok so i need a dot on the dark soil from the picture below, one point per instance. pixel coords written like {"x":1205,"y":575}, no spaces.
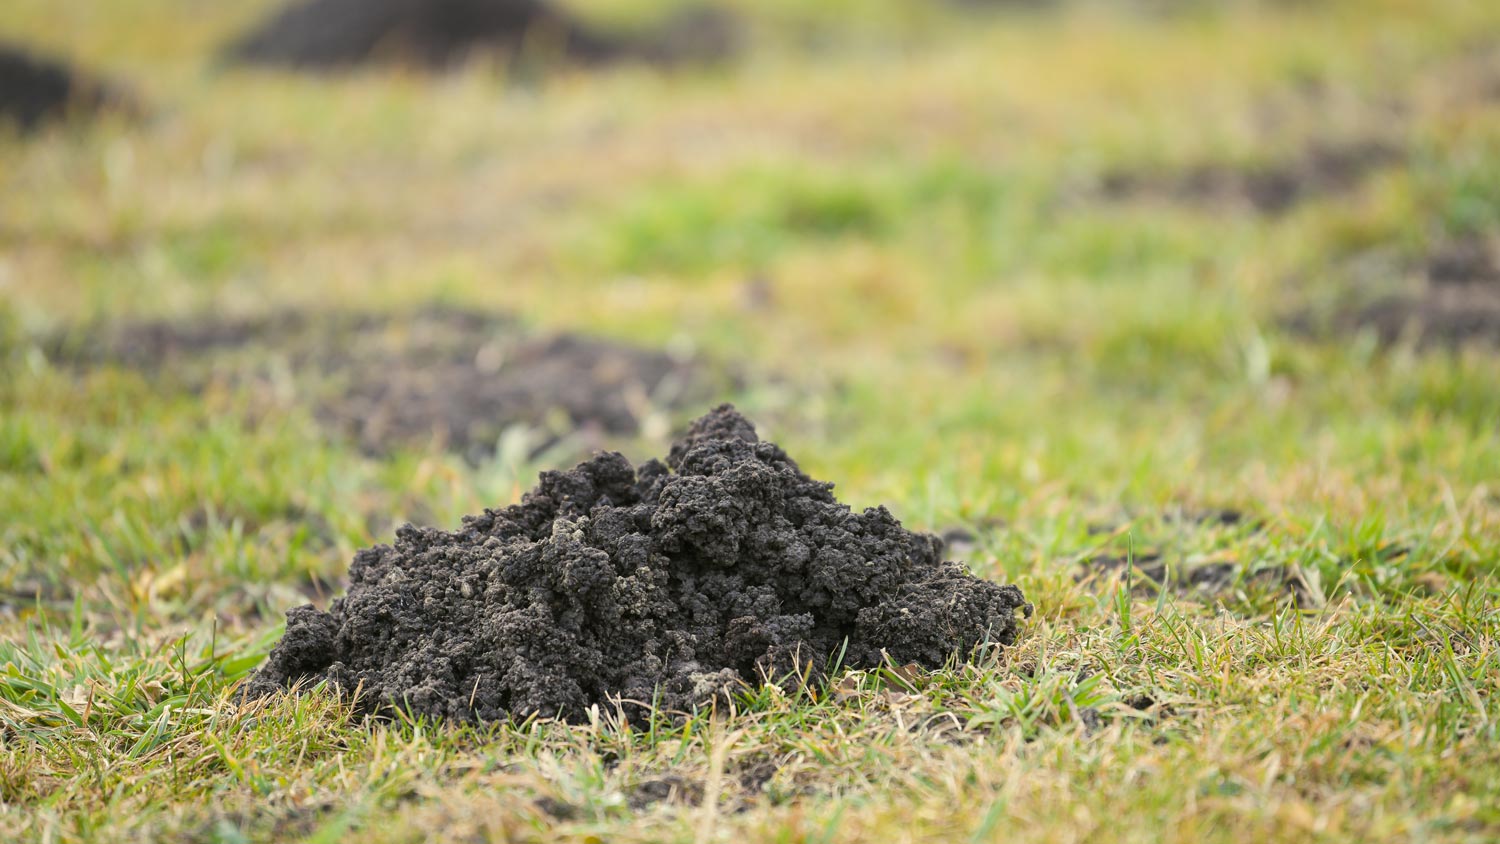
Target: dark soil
{"x":331,"y":34}
{"x":35,"y":89}
{"x":1148,"y":574}
{"x":1328,"y":169}
{"x":1450,"y":298}
{"x":676,"y":583}
{"x":455,"y":376}
{"x":1437,"y":316}
{"x":1167,"y":562}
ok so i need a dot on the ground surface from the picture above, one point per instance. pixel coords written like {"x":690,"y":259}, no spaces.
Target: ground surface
{"x":1152,"y":309}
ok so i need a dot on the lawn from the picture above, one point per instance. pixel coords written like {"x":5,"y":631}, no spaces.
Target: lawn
{"x":1104,"y":291}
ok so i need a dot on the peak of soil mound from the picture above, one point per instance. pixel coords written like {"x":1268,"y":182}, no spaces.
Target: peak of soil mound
{"x":329,"y":34}
{"x":674,"y":583}
{"x":34,"y":89}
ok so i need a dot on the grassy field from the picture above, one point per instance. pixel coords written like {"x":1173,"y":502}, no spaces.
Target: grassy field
{"x":1007,"y":270}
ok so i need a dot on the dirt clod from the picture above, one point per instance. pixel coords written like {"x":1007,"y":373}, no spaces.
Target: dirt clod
{"x":676,"y":582}
{"x":435,"y":34}
{"x":459,"y":376}
{"x":34,"y":89}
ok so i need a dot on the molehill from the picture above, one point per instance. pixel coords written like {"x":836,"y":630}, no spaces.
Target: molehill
{"x":35,"y":88}
{"x":673,"y":583}
{"x":334,"y":34}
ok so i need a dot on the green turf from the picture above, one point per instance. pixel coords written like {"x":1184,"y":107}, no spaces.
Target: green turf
{"x":891,"y":212}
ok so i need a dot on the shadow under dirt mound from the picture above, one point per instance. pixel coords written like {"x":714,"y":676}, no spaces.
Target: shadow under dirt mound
{"x":458,"y":376}
{"x":36,"y":88}
{"x":332,"y":34}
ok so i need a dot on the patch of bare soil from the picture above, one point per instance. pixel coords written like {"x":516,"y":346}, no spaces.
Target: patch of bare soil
{"x":1148,"y":574}
{"x":435,"y":34}
{"x":456,"y":376}
{"x":1449,"y":298}
{"x":1322,"y":170}
{"x":1458,"y":303}
{"x":1166,"y":563}
{"x":36,"y":88}
{"x":666,"y":586}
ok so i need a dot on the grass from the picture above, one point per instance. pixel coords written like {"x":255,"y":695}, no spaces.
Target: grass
{"x":894,"y":208}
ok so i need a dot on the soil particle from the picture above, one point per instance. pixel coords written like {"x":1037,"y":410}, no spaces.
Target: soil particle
{"x":35,"y":89}
{"x":676,"y":582}
{"x":458,"y":376}
{"x":435,"y":34}
{"x":1325,"y":169}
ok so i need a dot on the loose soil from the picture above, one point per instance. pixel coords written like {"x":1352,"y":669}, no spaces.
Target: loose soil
{"x":676,"y":583}
{"x":1328,"y":169}
{"x":435,"y":34}
{"x":35,"y":89}
{"x":457,"y":377}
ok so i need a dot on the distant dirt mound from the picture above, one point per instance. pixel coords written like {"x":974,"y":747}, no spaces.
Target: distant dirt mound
{"x":675,"y":582}
{"x":1458,"y":303}
{"x":1451,"y":298}
{"x":460,"y":377}
{"x":34,"y":89}
{"x":331,"y":34}
{"x":1326,"y":169}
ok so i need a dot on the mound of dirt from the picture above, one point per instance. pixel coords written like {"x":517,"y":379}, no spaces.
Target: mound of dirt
{"x":675,"y":582}
{"x":331,"y":34}
{"x":34,"y":89}
{"x":461,"y":377}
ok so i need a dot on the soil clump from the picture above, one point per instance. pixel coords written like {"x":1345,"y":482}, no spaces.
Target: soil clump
{"x":438,"y":34}
{"x":457,"y":376}
{"x":671,"y":584}
{"x":35,"y":89}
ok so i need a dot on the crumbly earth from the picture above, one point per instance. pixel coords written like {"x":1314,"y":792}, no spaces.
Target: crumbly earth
{"x":34,"y":89}
{"x":330,"y":34}
{"x":674,"y":582}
